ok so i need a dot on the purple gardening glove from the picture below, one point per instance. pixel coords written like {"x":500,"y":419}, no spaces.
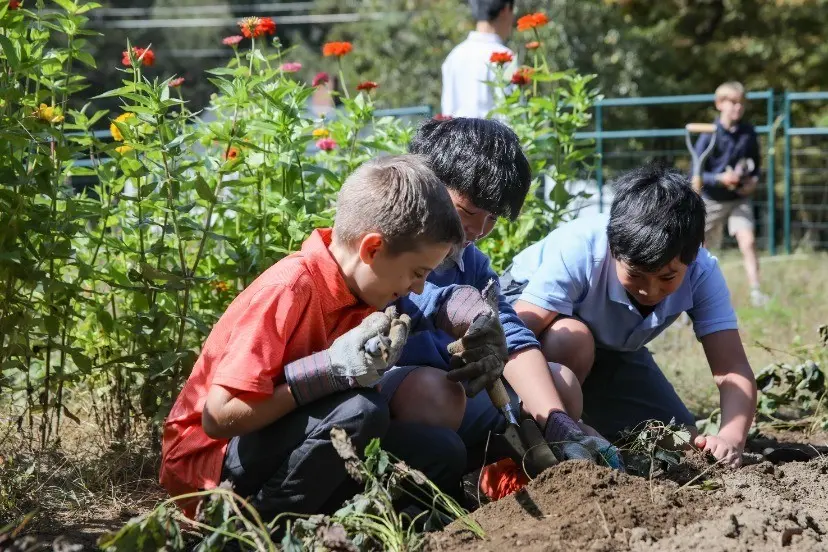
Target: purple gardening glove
{"x":565,"y":437}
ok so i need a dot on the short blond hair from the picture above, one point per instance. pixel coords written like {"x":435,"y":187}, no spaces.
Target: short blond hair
{"x":400,"y":198}
{"x":730,"y":87}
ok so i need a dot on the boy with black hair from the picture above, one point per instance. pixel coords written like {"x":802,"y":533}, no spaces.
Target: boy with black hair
{"x":487,"y":175}
{"x":597,"y":290}
{"x":468,"y":67}
{"x":290,"y":358}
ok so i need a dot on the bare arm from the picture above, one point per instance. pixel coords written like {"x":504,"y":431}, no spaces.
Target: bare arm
{"x":528,"y":374}
{"x":535,"y":318}
{"x":229,"y":413}
{"x":736,"y":383}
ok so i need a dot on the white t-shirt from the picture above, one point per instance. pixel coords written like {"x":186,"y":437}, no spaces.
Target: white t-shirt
{"x":467,"y":67}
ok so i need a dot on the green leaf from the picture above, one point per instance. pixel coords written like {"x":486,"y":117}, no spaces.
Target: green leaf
{"x":203,"y":190}
{"x":151,"y":273}
{"x":9,"y":52}
{"x":85,"y":58}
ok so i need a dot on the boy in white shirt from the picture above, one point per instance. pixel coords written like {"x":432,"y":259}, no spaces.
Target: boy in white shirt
{"x":468,"y":66}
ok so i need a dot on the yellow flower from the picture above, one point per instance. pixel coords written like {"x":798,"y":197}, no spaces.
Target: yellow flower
{"x":50,"y":114}
{"x":123,"y":149}
{"x":113,"y":128}
{"x":321,"y":133}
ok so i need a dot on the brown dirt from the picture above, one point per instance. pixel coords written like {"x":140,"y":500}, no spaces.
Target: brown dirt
{"x":579,"y":506}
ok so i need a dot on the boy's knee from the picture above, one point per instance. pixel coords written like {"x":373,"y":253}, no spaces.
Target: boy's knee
{"x":426,"y":396}
{"x":568,"y":386}
{"x":570,"y":342}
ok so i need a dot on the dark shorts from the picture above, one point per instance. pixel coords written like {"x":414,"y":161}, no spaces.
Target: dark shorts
{"x":624,"y":388}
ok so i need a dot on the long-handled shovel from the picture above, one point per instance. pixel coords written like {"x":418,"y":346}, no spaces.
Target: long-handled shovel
{"x":698,"y":158}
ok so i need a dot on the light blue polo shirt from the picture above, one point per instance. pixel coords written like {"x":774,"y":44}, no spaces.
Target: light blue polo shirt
{"x":572,"y":272}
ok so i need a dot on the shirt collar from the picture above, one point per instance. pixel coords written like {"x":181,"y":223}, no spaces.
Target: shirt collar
{"x":330,"y":284}
{"x":477,"y":36}
{"x":454,"y":260}
{"x":617,"y":293}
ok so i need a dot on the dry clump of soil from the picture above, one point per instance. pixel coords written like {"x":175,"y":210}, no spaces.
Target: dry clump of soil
{"x":579,"y":506}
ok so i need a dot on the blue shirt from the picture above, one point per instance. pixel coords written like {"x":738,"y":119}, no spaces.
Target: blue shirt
{"x":572,"y":272}
{"x":738,"y":149}
{"x":426,"y":346}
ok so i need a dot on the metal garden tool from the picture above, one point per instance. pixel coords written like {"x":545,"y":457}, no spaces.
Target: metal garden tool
{"x":698,"y":159}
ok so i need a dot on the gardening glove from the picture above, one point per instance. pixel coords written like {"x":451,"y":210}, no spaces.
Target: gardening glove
{"x":564,"y":435}
{"x":539,"y":455}
{"x":480,"y":353}
{"x":351,"y":361}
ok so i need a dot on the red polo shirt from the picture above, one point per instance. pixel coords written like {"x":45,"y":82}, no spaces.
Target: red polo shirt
{"x":294,"y":309}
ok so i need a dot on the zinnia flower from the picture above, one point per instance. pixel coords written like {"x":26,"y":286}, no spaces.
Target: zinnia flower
{"x":146,"y":56}
{"x":442,"y":117}
{"x":337,"y":49}
{"x":522,"y":76}
{"x":124,"y":149}
{"x":501,"y":57}
{"x":14,"y":4}
{"x":320,"y":78}
{"x":326,"y":144}
{"x":532,"y":21}
{"x":254,"y":27}
{"x":220,"y":286}
{"x":290,"y":67}
{"x":321,"y":133}
{"x":232,"y":40}
{"x":113,"y":128}
{"x":232,"y":153}
{"x":175,"y":83}
{"x":534,"y":45}
{"x":367,"y":85}
{"x":50,"y":114}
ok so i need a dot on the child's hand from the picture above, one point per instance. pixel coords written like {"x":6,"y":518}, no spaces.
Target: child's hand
{"x":730,"y":179}
{"x":729,"y":453}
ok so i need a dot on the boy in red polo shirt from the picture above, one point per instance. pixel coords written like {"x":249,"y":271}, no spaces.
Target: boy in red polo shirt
{"x":288,"y":359}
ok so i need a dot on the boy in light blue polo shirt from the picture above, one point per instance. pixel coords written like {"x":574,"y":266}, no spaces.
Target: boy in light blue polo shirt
{"x":597,"y":290}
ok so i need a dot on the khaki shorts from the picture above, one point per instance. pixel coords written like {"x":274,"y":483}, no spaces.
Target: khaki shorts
{"x":738,"y":214}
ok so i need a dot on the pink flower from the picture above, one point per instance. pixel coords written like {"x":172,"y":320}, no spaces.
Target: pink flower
{"x":290,"y":67}
{"x":232,"y":40}
{"x":320,"y":78}
{"x":326,"y":144}
{"x":175,"y":83}
{"x":442,"y":117}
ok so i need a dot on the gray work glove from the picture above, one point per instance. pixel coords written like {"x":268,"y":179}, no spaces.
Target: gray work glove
{"x":354,"y":359}
{"x":480,"y":353}
{"x":570,"y":443}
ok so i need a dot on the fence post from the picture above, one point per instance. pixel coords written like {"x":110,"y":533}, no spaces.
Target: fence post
{"x":786,"y":224}
{"x":599,"y":151}
{"x":771,"y":176}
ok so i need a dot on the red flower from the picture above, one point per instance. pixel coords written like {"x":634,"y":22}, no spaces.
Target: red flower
{"x":14,"y":4}
{"x":232,"y":153}
{"x":367,"y":85}
{"x":146,"y":56}
{"x":522,"y":76}
{"x":443,"y":117}
{"x":326,"y":144}
{"x":175,"y":83}
{"x":337,"y":49}
{"x":501,"y":57}
{"x":532,"y":21}
{"x":254,"y":27}
{"x":320,"y":78}
{"x":534,"y":45}
{"x":232,"y":40}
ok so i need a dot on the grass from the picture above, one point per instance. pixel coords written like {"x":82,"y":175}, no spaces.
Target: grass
{"x":784,"y":330}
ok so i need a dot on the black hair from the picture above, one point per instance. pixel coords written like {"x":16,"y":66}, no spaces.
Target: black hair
{"x":488,"y":10}
{"x":655,"y":217}
{"x":478,"y":158}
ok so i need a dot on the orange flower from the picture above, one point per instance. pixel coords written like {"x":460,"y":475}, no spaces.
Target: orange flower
{"x":367,"y":85}
{"x":146,"y":56}
{"x":220,"y":286}
{"x":534,"y":45}
{"x":254,"y":27}
{"x":337,"y":49}
{"x":232,"y":153}
{"x":522,"y":76}
{"x":501,"y":57}
{"x":175,"y":83}
{"x":532,"y":21}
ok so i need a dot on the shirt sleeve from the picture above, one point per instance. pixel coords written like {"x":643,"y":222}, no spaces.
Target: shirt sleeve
{"x":255,"y":353}
{"x":712,"y":311}
{"x":518,"y":336}
{"x":562,"y":279}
